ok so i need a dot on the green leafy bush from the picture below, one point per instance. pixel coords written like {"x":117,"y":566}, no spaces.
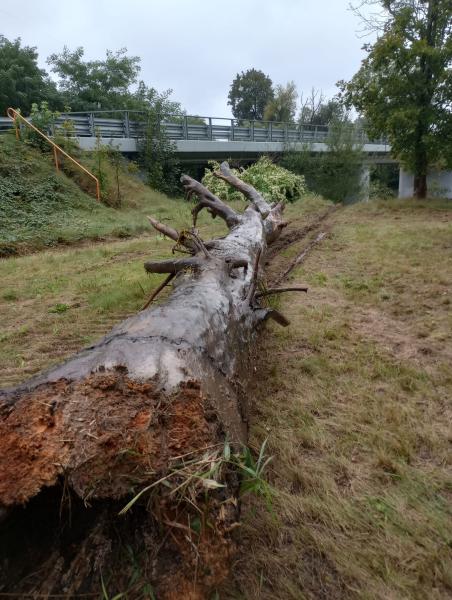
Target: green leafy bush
{"x":274,"y":182}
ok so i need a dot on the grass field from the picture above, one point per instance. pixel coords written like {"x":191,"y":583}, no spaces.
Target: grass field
{"x":354,"y":396}
{"x":54,"y":302}
{"x":355,"y":400}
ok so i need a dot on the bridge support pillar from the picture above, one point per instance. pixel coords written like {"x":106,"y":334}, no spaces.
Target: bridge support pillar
{"x":365,"y":183}
{"x":439,"y":184}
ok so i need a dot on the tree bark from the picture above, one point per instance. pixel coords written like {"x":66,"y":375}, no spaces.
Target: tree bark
{"x":121,"y":415}
{"x":427,"y":88}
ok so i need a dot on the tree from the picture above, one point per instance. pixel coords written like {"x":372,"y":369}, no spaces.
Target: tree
{"x":250,"y":93}
{"x":283,"y":105}
{"x":155,"y":411}
{"x":22,"y":82}
{"x":404,"y":85}
{"x":157,"y":150}
{"x":316,"y":110}
{"x":96,"y":84}
{"x":336,"y":174}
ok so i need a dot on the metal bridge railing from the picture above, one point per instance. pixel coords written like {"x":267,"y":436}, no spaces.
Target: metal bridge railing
{"x":133,"y":124}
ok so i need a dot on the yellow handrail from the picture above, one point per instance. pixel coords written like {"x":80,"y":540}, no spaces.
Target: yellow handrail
{"x":14,"y":114}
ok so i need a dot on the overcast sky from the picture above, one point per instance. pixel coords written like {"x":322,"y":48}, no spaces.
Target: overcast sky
{"x":196,"y":47}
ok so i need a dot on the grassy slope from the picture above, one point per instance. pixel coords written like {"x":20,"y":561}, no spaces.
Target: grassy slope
{"x":41,"y":208}
{"x":354,"y":398}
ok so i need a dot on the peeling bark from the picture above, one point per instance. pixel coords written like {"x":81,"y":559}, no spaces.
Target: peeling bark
{"x":163,"y":383}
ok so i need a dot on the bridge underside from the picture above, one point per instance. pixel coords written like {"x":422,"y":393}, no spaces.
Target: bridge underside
{"x":194,"y":151}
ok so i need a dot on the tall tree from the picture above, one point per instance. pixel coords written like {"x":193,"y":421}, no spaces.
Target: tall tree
{"x":94,"y":84}
{"x":284,"y":104}
{"x":250,"y":93}
{"x":404,"y":85}
{"x":22,"y":82}
{"x":316,"y":110}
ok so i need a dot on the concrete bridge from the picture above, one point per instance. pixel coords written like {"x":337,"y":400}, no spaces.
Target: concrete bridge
{"x":198,"y":139}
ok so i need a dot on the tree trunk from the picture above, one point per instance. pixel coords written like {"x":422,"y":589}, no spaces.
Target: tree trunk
{"x":426,"y":95}
{"x":420,"y":186}
{"x":151,"y":405}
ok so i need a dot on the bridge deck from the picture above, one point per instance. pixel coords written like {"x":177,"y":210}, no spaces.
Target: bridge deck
{"x":205,"y":137}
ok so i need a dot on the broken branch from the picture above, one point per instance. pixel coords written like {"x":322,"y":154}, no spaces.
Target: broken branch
{"x":256,"y":199}
{"x":172,"y":266}
{"x":157,"y":291}
{"x":208,"y":200}
{"x":271,"y":291}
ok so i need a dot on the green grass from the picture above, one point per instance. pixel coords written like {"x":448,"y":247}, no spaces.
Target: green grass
{"x":56,"y":301}
{"x":354,"y":398}
{"x":42,"y":208}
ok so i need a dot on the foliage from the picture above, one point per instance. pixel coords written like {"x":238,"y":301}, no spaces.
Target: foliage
{"x":65,"y":136}
{"x":21,"y":80}
{"x":43,"y":118}
{"x":115,"y":158}
{"x":250,"y":93}
{"x":379,"y":191}
{"x":31,"y":204}
{"x":384,"y":180}
{"x":158,"y":151}
{"x":95,"y":84}
{"x":194,"y":476}
{"x":335,"y":174}
{"x":252,"y":473}
{"x":326,"y":113}
{"x":283,"y":105}
{"x":40,"y":207}
{"x":274,"y":182}
{"x":404,"y":85}
{"x":100,"y":156}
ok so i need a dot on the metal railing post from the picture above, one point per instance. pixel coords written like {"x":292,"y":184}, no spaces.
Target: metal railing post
{"x":185,"y":127}
{"x":210,"y":128}
{"x":270,"y":130}
{"x":252,"y":130}
{"x":91,"y":124}
{"x":126,"y":124}
{"x":232,"y":129}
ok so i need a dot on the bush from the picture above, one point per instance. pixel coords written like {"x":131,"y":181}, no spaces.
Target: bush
{"x":336,"y":173}
{"x":274,"y":182}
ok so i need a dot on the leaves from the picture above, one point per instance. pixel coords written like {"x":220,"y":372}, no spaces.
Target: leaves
{"x":404,"y":85}
{"x":250,"y":93}
{"x":272,"y":181}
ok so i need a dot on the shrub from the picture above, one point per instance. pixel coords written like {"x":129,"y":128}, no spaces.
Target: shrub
{"x":336,"y":173}
{"x":274,"y":182}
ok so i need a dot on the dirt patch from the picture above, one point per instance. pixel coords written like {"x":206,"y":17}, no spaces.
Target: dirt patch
{"x":397,"y":339}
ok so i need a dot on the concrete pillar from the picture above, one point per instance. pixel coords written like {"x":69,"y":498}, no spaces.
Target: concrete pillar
{"x":365,"y":183}
{"x":439,"y":184}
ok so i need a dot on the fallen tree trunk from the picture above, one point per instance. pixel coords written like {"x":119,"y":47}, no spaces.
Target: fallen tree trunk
{"x":80,"y":440}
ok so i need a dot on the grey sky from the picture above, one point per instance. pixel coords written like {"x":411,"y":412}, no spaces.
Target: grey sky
{"x":196,"y":47}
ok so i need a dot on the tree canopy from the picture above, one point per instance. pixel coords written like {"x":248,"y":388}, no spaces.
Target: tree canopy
{"x":96,"y":84}
{"x":250,"y":93}
{"x":22,"y":82}
{"x":283,"y":106}
{"x":404,"y":85}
